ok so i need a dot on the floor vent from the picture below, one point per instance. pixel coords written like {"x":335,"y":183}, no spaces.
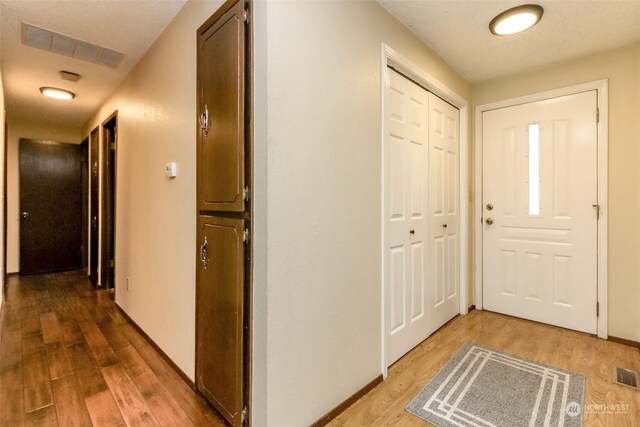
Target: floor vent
{"x":626,"y":377}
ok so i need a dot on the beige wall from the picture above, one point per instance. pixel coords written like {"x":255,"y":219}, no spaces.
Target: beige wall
{"x":622,"y":68}
{"x":321,"y":281}
{"x":155,"y":215}
{"x":30,"y":129}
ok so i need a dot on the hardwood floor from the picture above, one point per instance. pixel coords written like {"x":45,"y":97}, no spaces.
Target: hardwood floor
{"x":68,"y":357}
{"x":558,"y":347}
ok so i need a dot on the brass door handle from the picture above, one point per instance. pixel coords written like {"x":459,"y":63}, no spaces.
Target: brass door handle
{"x":204,"y":256}
{"x":489,"y":221}
{"x":204,"y":121}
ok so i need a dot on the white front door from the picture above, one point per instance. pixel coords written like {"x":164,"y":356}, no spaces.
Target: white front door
{"x":421,"y":188}
{"x":540,"y":223}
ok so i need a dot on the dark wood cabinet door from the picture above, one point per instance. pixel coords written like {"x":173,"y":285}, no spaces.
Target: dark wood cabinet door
{"x":221,"y":109}
{"x":220,"y":313}
{"x":50,"y":207}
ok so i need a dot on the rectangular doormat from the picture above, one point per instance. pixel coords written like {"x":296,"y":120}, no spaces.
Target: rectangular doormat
{"x":481,"y":387}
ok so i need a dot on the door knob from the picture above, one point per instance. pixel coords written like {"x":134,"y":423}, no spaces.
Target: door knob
{"x":489,"y":207}
{"x":444,"y":225}
{"x":25,"y":214}
{"x":489,"y":221}
{"x":412,"y":231}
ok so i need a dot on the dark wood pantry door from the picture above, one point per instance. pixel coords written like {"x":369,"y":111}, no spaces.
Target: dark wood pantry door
{"x":223,"y":155}
{"x":50,"y":206}
{"x":221,"y":105}
{"x":220,"y":313}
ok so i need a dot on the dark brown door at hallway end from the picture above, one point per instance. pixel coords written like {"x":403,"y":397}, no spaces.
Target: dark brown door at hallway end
{"x":50,"y":206}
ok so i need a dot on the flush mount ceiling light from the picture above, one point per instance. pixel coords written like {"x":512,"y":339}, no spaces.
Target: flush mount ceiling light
{"x":516,"y":20}
{"x":56,"y":93}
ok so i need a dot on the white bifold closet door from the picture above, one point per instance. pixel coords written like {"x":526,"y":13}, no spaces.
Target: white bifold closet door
{"x":421,"y":214}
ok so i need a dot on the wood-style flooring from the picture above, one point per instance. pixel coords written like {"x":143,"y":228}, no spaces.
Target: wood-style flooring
{"x":573,"y":351}
{"x":68,"y":357}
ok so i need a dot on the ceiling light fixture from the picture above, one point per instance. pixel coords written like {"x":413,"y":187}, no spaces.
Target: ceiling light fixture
{"x":53,"y":92}
{"x":516,"y":20}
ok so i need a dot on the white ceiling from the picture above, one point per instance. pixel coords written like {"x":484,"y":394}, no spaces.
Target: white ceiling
{"x":127,"y":26}
{"x":458,"y":30}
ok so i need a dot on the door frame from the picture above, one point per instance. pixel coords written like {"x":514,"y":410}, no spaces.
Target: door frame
{"x":391,"y":58}
{"x":602,"y":90}
{"x":107,"y":195}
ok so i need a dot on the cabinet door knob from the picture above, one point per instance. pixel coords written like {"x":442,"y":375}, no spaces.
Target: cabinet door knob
{"x":489,"y":221}
{"x":25,"y":214}
{"x":412,"y":231}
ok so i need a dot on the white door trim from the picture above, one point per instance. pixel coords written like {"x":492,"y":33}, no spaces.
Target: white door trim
{"x":602,"y":88}
{"x":393,"y":59}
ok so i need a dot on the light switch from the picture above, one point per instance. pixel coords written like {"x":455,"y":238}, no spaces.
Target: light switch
{"x":171,"y":169}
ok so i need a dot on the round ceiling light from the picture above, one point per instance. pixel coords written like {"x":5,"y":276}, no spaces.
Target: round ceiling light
{"x":516,"y":20}
{"x":53,"y":92}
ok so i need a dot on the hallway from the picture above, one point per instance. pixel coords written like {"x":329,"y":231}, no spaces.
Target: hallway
{"x":69,"y":357}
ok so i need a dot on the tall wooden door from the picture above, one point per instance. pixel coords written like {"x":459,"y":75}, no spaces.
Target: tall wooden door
{"x":94,"y":188}
{"x":221,"y":104}
{"x":84,"y":150}
{"x":540,"y":211}
{"x":50,"y":205}
{"x":108,"y":223}
{"x":220,"y":313}
{"x":223,"y":212}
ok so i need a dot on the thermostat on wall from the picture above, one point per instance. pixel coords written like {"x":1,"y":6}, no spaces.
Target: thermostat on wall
{"x":171,"y":170}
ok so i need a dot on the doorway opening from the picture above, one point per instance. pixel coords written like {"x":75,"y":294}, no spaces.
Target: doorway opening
{"x":94,"y":204}
{"x":107,"y":229}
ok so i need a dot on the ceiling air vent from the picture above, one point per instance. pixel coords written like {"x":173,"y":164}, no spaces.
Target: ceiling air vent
{"x":625,"y":377}
{"x":59,"y":43}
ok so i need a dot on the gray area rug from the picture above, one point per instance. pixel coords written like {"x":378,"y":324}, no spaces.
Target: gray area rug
{"x":481,"y":387}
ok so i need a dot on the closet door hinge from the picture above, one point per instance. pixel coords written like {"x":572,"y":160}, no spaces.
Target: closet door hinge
{"x":597,"y":115}
{"x":243,"y":416}
{"x":113,"y":145}
{"x":245,"y":236}
{"x":597,"y":309}
{"x":245,"y":194}
{"x":246,"y":16}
